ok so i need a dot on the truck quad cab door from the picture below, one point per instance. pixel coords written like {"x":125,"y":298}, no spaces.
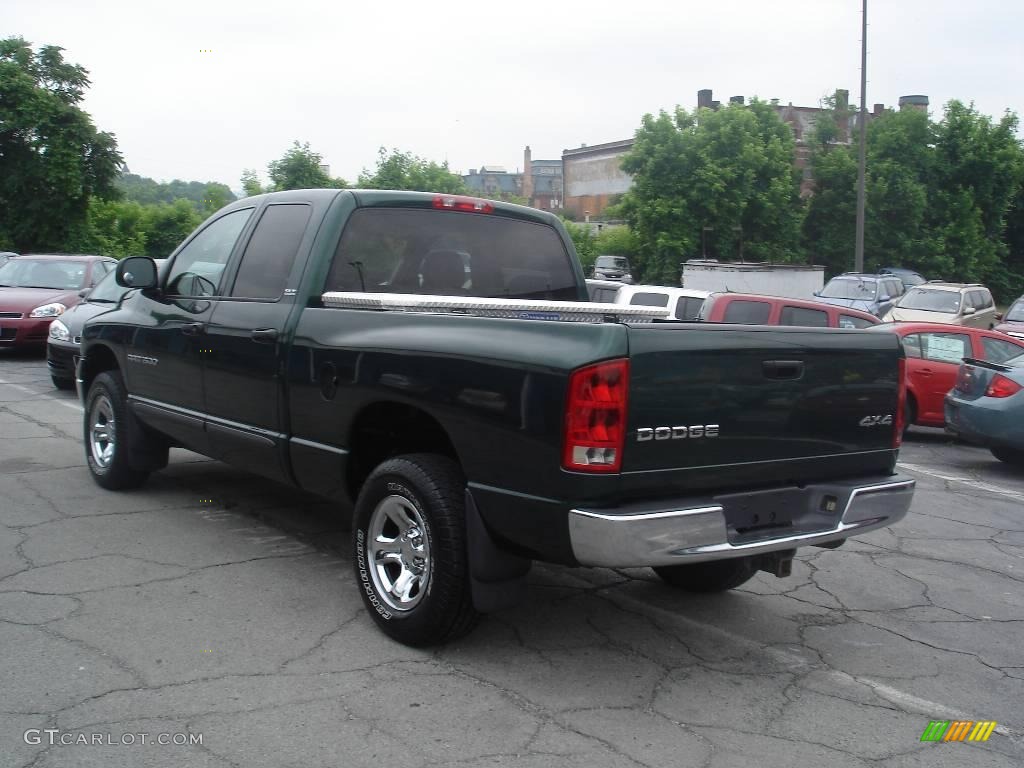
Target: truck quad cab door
{"x":244,"y":339}
{"x":164,"y":359}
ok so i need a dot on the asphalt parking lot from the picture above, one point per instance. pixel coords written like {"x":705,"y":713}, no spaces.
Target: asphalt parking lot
{"x":214,"y":604}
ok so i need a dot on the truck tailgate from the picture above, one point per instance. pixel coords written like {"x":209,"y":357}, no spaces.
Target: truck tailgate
{"x":774,"y":405}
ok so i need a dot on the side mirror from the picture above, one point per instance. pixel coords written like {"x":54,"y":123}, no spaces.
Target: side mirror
{"x":969,"y":310}
{"x":999,"y":316}
{"x":136,"y":272}
{"x":817,"y":293}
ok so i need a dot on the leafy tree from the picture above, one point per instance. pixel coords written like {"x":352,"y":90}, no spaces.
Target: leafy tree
{"x":299,"y":168}
{"x":585,"y":243}
{"x":111,"y":228}
{"x":52,"y":157}
{"x":403,"y":170}
{"x":205,"y":196}
{"x":727,"y":173}
{"x":167,"y":224}
{"x":251,"y":183}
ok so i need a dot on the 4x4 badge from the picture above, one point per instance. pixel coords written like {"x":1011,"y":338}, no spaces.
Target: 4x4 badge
{"x":876,"y":421}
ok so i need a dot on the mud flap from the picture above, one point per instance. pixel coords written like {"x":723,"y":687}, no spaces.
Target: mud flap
{"x":497,"y":577}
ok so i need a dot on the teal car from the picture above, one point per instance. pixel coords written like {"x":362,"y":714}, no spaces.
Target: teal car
{"x":986,"y":407}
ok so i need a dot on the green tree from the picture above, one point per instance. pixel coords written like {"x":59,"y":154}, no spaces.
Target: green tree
{"x":978,"y":170}
{"x":299,"y":168}
{"x":251,"y":183}
{"x":52,"y":157}
{"x":727,"y":174}
{"x":111,"y":228}
{"x":584,"y":242}
{"x":205,"y":196}
{"x":403,"y":170}
{"x":167,"y":224}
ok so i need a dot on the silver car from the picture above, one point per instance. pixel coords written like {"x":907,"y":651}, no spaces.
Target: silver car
{"x":987,"y":407}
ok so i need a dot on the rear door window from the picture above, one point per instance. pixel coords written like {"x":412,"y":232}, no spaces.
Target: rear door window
{"x":791,"y":315}
{"x":403,"y":250}
{"x":747,"y":312}
{"x":649,"y":299}
{"x":271,"y":251}
{"x":999,"y":351}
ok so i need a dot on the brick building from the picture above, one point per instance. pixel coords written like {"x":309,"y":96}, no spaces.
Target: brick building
{"x":540,"y":182}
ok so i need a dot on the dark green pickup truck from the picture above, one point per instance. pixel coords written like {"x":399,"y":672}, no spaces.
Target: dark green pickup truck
{"x":432,"y":362}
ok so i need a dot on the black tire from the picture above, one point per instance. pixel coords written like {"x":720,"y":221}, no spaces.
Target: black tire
{"x":425,"y":494}
{"x":105,"y":447}
{"x":712,"y":576}
{"x":1011,"y":456}
{"x":909,"y":413}
{"x":64,"y":384}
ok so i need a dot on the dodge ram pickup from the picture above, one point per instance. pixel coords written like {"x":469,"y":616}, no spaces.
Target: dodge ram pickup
{"x":431,"y":362}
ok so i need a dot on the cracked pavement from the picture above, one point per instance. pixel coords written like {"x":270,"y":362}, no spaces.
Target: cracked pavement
{"x":212,"y":602}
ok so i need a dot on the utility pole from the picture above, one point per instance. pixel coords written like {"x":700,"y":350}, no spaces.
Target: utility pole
{"x":862,"y":125}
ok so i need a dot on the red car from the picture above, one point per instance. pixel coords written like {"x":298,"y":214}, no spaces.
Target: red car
{"x":934,"y":352}
{"x":37,"y":288}
{"x":755,"y":309}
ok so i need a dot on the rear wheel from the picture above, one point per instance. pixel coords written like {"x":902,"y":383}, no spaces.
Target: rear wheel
{"x":60,"y":383}
{"x":909,"y":413}
{"x":106,"y":434}
{"x":410,"y":559}
{"x":1011,"y":456}
{"x":713,"y":576}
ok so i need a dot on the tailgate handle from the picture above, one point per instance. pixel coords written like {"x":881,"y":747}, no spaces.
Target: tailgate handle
{"x":783,"y":369}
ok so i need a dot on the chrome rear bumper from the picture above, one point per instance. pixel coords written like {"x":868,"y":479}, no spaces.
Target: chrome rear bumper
{"x":653,"y":534}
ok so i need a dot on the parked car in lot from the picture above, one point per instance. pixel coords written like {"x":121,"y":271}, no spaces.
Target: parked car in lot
{"x":874,"y":294}
{"x":613,"y":268}
{"x":755,"y":309}
{"x":681,"y":303}
{"x":967,"y":304}
{"x":339,"y":347}
{"x":908,"y":277}
{"x":934,"y":352}
{"x":35,"y":289}
{"x":986,"y":407}
{"x":65,"y":334}
{"x":1012,"y":321}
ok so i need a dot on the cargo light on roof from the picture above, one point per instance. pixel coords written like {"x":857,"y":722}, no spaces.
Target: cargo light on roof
{"x":457,"y":203}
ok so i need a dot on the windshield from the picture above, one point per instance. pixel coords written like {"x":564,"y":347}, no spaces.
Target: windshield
{"x":931,"y":300}
{"x":850,"y":288}
{"x":1015,"y":314}
{"x":107,"y":291}
{"x":618,"y":262}
{"x":43,"y":273}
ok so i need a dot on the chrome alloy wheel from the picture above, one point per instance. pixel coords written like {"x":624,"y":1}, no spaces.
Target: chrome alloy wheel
{"x":399,"y":553}
{"x":101,"y":431}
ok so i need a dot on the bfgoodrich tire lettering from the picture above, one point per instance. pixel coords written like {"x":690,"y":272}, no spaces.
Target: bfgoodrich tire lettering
{"x":409,"y":541}
{"x":713,"y":576}
{"x":106,"y":434}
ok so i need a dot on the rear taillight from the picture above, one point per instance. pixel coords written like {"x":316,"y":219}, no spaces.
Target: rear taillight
{"x":964,"y":378}
{"x":467,"y":204}
{"x":595,"y":417}
{"x":899,"y":423}
{"x":1000,"y":386}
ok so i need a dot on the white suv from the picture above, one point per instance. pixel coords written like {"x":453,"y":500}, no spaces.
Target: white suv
{"x":954,"y":303}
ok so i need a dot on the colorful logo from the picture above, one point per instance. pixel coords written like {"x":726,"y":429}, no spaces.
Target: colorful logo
{"x":958,"y":730}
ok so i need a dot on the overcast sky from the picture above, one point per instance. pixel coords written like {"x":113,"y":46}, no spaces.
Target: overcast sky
{"x":474,"y":82}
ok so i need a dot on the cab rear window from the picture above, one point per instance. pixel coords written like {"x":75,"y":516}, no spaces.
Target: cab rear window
{"x":402,"y":250}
